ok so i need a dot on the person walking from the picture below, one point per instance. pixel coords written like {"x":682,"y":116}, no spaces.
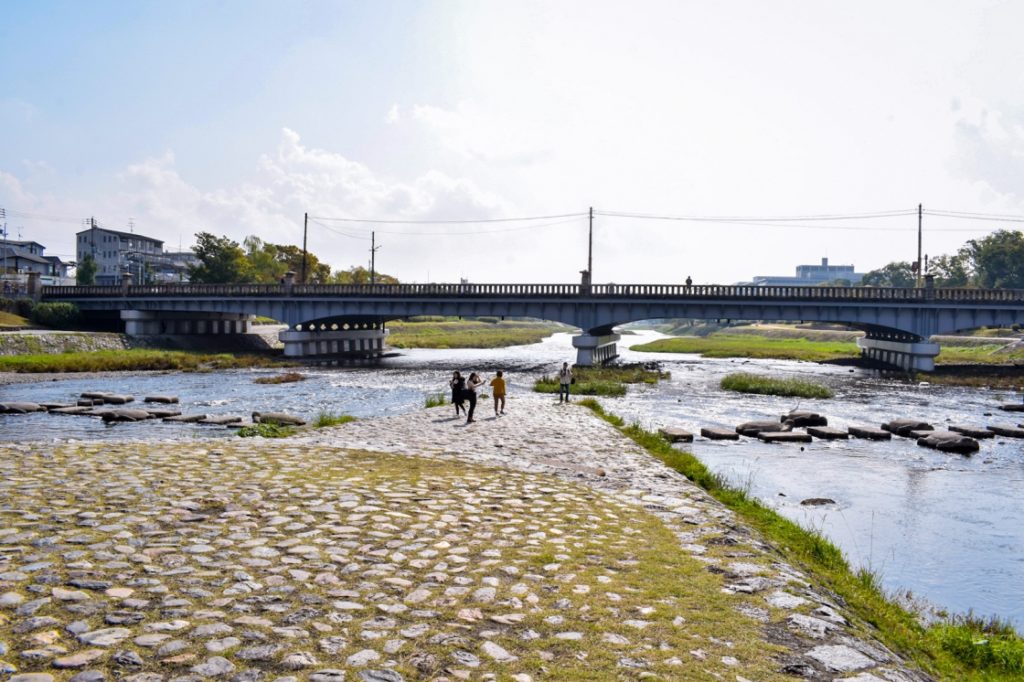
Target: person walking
{"x":458,"y":386}
{"x":472,"y":384}
{"x":498,"y":384}
{"x":565,"y":379}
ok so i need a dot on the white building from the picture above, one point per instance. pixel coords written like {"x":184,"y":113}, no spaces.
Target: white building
{"x":115,"y":252}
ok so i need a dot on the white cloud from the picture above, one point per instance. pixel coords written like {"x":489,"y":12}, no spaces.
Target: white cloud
{"x":394,"y":115}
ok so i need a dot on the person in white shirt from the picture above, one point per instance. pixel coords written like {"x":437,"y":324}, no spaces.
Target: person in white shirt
{"x":564,"y":381}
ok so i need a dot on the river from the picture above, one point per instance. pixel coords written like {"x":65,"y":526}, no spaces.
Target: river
{"x":946,"y":528}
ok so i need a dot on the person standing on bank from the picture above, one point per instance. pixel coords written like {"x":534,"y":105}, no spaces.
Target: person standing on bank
{"x":472,"y":384}
{"x":458,"y":386}
{"x":565,"y":379}
{"x":498,"y":384}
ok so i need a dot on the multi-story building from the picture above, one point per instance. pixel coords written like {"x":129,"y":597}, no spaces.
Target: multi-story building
{"x":23,"y":257}
{"x":116,"y":252}
{"x":810,"y":275}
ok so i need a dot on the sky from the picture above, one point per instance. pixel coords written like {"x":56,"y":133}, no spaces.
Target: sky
{"x":237,"y":117}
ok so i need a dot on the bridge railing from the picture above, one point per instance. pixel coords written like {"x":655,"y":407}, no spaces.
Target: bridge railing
{"x":599,"y":291}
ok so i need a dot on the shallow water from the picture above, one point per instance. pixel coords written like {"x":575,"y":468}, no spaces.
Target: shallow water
{"x":945,"y":527}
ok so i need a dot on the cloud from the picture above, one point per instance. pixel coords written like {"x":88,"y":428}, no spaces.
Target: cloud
{"x":486,"y":136}
{"x":990,"y":149}
{"x":394,"y":115}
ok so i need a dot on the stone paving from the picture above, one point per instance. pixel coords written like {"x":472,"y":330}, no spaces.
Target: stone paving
{"x":541,"y":545}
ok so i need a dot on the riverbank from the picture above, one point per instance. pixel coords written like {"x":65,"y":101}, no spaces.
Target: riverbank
{"x":479,"y":333}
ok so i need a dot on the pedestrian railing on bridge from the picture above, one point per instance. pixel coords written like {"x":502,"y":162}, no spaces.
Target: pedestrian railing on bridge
{"x":599,"y":291}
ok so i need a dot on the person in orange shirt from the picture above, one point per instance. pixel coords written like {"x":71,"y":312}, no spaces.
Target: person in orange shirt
{"x":499,"y":393}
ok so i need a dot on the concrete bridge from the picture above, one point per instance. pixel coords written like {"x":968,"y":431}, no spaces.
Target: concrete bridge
{"x":350,"y":319}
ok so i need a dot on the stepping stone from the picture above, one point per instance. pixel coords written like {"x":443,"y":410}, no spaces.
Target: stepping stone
{"x":920,"y":433}
{"x":784,"y":437}
{"x":828,"y":432}
{"x":162,"y":413}
{"x":279,"y":418}
{"x":78,"y":409}
{"x":972,"y":431}
{"x":20,"y":408}
{"x":186,"y":418}
{"x":54,"y":406}
{"x":89,"y":402}
{"x":903,"y":427}
{"x":753,"y":428}
{"x":869,"y":432}
{"x":165,"y":399}
{"x":219,"y":420}
{"x":95,"y":394}
{"x":1006,"y":430}
{"x":126,"y":416}
{"x":117,"y":399}
{"x":1012,"y":407}
{"x":949,"y":441}
{"x":676,"y":435}
{"x":719,"y":434}
{"x":801,"y":418}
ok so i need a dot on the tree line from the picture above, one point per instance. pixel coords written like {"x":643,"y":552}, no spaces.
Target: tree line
{"x":222,"y":260}
{"x":992,"y":262}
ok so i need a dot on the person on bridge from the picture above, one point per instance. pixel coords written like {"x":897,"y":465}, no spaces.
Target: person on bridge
{"x":498,"y":383}
{"x":472,"y":384}
{"x":458,"y":386}
{"x":565,"y":379}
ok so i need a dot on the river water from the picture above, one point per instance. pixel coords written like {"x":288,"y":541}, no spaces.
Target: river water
{"x":946,"y":528}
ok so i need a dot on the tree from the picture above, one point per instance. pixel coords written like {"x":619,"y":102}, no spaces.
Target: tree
{"x":316,"y":272}
{"x":221,"y":261}
{"x":898,"y":274}
{"x":997,"y":260}
{"x":950,"y":271}
{"x":360,"y":275}
{"x":85,"y":273}
{"x":264,"y":265}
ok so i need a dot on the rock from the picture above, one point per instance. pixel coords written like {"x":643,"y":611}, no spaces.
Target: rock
{"x":162,"y":412}
{"x":840,"y":658}
{"x":800,"y":419}
{"x":362,"y":658}
{"x":299,"y":660}
{"x":752,"y":429}
{"x":214,"y":666}
{"x":20,"y":408}
{"x":828,"y":432}
{"x":784,"y":437}
{"x":127,"y":659}
{"x":165,"y":399}
{"x":1012,"y":407}
{"x":279,"y":418}
{"x":972,"y":431}
{"x":497,"y":652}
{"x":187,"y":418}
{"x":712,"y":433}
{"x":949,"y":441}
{"x":328,"y":675}
{"x":869,"y":433}
{"x":217,"y":419}
{"x":88,"y":676}
{"x":8,"y":600}
{"x":80,"y":659}
{"x":106,"y":637}
{"x":32,"y":677}
{"x":380,"y":676}
{"x":126,"y":416}
{"x":816,"y":501}
{"x":903,"y":427}
{"x":116,"y":399}
{"x":1006,"y":430}
{"x":77,"y":410}
{"x":676,"y":435}
{"x":95,"y":395}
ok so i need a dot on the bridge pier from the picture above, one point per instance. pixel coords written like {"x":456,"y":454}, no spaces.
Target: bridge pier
{"x":910,"y":356}
{"x":354,"y":340}
{"x":150,"y":323}
{"x":595,"y":350}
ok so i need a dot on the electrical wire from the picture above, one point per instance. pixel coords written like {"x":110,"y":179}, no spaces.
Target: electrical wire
{"x":989,"y":217}
{"x":455,"y":233}
{"x":769,"y":219}
{"x":451,"y":222}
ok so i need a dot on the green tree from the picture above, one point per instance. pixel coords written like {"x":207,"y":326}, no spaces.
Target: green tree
{"x":950,"y":271}
{"x":997,"y":260}
{"x":898,"y":274}
{"x":359,"y":275}
{"x":221,"y":261}
{"x":316,"y":272}
{"x":85,"y":273}
{"x":264,"y":263}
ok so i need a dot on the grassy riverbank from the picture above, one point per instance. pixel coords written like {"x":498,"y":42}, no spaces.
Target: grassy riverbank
{"x":753,"y":346}
{"x":487,"y":332}
{"x":743,"y":382}
{"x":136,"y":359}
{"x":603,"y":381}
{"x":960,"y":648}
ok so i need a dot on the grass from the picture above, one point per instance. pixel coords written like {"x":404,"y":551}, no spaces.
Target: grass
{"x":286,"y":378}
{"x":325,"y":419}
{"x":136,"y":359}
{"x":12,"y":321}
{"x":742,"y":382}
{"x":435,"y":400}
{"x":603,"y":381}
{"x":266,"y":431}
{"x":754,"y":346}
{"x":451,"y":333}
{"x":958,"y":649}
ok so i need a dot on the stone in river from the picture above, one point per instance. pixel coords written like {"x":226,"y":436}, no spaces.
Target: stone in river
{"x":20,"y":408}
{"x":1012,"y":407}
{"x":676,"y":435}
{"x":116,"y":399}
{"x":828,"y":432}
{"x":869,"y":433}
{"x":126,"y":416}
{"x":712,"y":433}
{"x":186,"y":418}
{"x":279,"y":418}
{"x":1006,"y":430}
{"x":801,"y":418}
{"x":972,"y":431}
{"x":165,"y":399}
{"x":903,"y":427}
{"x":949,"y":441}
{"x":217,"y":419}
{"x":753,"y":428}
{"x":784,"y":437}
{"x":816,"y":501}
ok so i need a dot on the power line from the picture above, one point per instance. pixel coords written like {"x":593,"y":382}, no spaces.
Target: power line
{"x":759,"y":219}
{"x":991,"y":217}
{"x":451,"y":222}
{"x":453,"y":233}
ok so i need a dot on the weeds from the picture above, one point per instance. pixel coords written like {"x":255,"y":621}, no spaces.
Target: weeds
{"x":603,"y":381}
{"x":743,"y":382}
{"x":266,"y":431}
{"x":325,"y":419}
{"x":435,"y":400}
{"x":286,"y":378}
{"x":136,"y":359}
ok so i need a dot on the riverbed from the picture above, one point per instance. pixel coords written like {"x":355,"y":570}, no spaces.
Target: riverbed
{"x":944,"y":527}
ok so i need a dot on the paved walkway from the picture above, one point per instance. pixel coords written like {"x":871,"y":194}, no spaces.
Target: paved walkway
{"x":533,"y":546}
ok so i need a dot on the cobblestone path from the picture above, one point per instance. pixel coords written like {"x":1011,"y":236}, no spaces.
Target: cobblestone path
{"x":580,"y":558}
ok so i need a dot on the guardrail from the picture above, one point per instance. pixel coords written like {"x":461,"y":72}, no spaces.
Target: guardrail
{"x":696,"y":291}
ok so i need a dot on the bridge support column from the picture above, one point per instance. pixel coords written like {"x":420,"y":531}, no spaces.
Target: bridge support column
{"x":595,"y":350}
{"x":910,"y":356}
{"x":362,"y":340}
{"x":153,"y":323}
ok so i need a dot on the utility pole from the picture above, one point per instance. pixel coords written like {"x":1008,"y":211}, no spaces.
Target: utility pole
{"x":373,"y":257}
{"x":919,"y":273}
{"x":305,"y":231}
{"x":3,"y":217}
{"x":590,"y":247}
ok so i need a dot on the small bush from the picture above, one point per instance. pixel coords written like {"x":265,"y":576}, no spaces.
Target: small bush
{"x":743,"y":382}
{"x":23,"y":307}
{"x":436,"y":400}
{"x":57,"y":315}
{"x":286,"y":378}
{"x":266,"y":431}
{"x":8,"y":305}
{"x":325,"y":419}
